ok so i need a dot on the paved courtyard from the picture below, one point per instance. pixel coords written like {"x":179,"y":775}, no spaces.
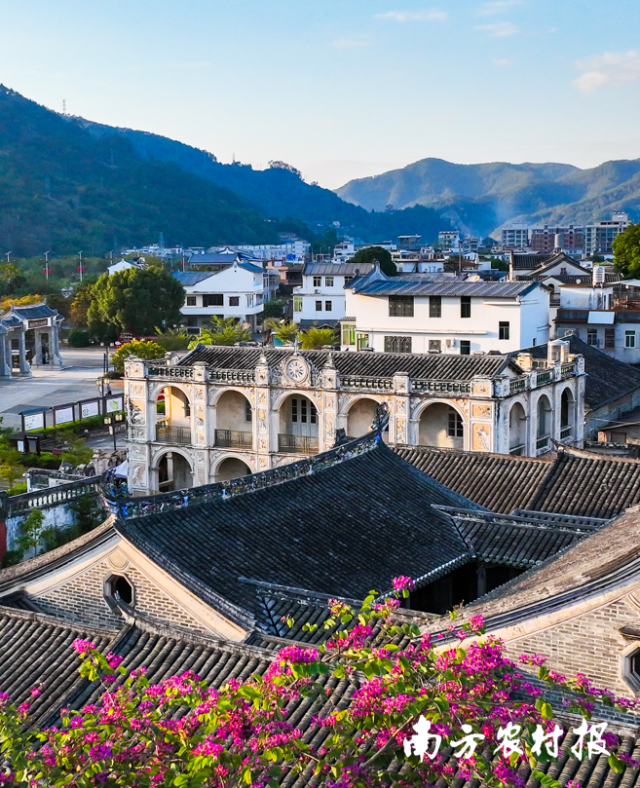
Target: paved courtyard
{"x":75,"y":381}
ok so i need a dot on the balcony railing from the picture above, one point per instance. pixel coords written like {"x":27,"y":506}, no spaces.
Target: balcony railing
{"x":542,"y":443}
{"x":565,"y":432}
{"x":177,"y":373}
{"x":517,"y":385}
{"x":298,"y":444}
{"x":234,"y":439}
{"x":166,"y":434}
{"x":517,"y":451}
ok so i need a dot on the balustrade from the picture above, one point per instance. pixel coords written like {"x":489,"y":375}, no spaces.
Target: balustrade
{"x":363,"y":382}
{"x":517,"y":451}
{"x":234,"y":439}
{"x":517,"y":385}
{"x":167,"y":434}
{"x":297,"y":444}
{"x":175,"y":373}
{"x":565,"y":433}
{"x":542,"y":443}
{"x":441,"y":386}
{"x":41,"y":499}
{"x":233,"y":375}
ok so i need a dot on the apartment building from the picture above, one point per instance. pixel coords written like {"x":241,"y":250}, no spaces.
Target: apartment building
{"x":321,"y":297}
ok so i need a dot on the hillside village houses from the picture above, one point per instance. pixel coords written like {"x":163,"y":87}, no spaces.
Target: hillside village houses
{"x":233,"y":411}
{"x":321,"y":297}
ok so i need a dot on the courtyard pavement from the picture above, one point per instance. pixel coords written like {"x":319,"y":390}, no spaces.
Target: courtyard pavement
{"x":75,"y":381}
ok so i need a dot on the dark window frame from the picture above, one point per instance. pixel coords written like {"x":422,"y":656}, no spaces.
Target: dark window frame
{"x":465,"y":306}
{"x":401,"y":306}
{"x":435,"y":306}
{"x":504,"y":329}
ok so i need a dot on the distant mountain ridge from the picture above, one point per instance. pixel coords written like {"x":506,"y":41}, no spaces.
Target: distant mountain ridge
{"x":482,"y":197}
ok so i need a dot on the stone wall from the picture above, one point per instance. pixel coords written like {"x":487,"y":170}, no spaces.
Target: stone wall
{"x":588,"y":643}
{"x":81,"y":598}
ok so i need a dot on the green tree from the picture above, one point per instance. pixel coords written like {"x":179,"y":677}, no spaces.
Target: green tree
{"x":372,"y":253}
{"x":223,"y":331}
{"x":87,"y":514}
{"x":139,"y":348}
{"x":274,"y":308}
{"x":31,"y":531}
{"x":173,"y":338}
{"x":285,"y":332}
{"x":626,"y":251}
{"x":11,"y":467}
{"x":137,"y":300}
{"x":78,"y":453}
{"x":316,"y":338}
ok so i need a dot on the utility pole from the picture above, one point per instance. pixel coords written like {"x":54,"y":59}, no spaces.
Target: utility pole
{"x":80,"y":268}
{"x":8,"y":256}
{"x":46,"y":264}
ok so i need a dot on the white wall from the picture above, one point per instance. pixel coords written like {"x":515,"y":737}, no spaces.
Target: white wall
{"x":231,"y":282}
{"x":311,"y":293}
{"x":528,"y":320}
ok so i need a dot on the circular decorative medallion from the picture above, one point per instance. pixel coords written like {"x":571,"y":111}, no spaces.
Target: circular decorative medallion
{"x":296,"y":369}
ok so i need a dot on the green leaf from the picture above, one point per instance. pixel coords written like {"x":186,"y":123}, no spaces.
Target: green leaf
{"x":547,"y":711}
{"x":616,"y":764}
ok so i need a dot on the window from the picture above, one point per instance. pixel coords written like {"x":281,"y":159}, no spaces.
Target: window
{"x":192,"y":322}
{"x":610,"y":338}
{"x":503,"y":330}
{"x":435,"y":346}
{"x":631,"y":669}
{"x":400,"y":306}
{"x":455,"y":429}
{"x":435,"y":306}
{"x":629,"y":338}
{"x":216,"y":299}
{"x":250,"y":300}
{"x":318,"y":306}
{"x":303,"y":411}
{"x":465,"y":306}
{"x":592,"y":337}
{"x":328,"y":281}
{"x":297,"y":304}
{"x":317,"y":281}
{"x":191,"y":301}
{"x":234,"y":300}
{"x":465,"y":347}
{"x":533,"y":342}
{"x":120,"y":589}
{"x":328,"y":306}
{"x":397,"y":344}
{"x":348,"y":335}
{"x":247,"y":411}
{"x":363,"y":341}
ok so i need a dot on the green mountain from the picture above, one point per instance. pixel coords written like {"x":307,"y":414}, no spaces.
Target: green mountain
{"x":62,"y":189}
{"x":481,"y":197}
{"x":278,"y":192}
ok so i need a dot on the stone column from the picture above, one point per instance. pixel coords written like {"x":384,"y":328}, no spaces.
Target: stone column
{"x":55,"y":359}
{"x":24,"y":366}
{"x":36,"y":361}
{"x":5,"y":362}
{"x":399,"y":424}
{"x":328,"y":416}
{"x":264,"y":440}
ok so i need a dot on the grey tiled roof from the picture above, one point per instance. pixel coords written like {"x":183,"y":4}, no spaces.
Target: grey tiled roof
{"x":498,"y":482}
{"x":337,"y":269}
{"x":426,"y":366}
{"x":440,"y":287}
{"x":321,"y":532}
{"x":569,"y":485}
{"x":35,"y":311}
{"x":190,"y":278}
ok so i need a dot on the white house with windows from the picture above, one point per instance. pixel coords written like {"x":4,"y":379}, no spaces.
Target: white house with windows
{"x":321,"y":297}
{"x":233,"y":291}
{"x":410,"y":314}
{"x":605,"y":316}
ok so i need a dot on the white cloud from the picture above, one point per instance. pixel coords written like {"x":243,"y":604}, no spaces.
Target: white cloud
{"x":503,"y":62}
{"x":499,"y":29}
{"x":432,"y":15}
{"x":611,"y":68}
{"x":498,"y":6}
{"x":353,"y":42}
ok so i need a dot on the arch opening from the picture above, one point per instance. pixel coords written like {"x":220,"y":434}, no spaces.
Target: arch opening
{"x":174,"y":473}
{"x":360,"y":418}
{"x":173,"y":416}
{"x":567,"y":415}
{"x":544,"y":428}
{"x":234,"y":421}
{"x":517,"y":430}
{"x":120,"y":589}
{"x":298,"y":428}
{"x":442,"y":426}
{"x":232,"y":468}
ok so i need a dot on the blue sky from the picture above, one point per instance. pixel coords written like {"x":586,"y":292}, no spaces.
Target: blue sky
{"x":342,"y":89}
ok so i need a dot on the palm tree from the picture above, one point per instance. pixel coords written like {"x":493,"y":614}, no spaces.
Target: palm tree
{"x":223,"y":331}
{"x":318,"y":337}
{"x":283,"y":331}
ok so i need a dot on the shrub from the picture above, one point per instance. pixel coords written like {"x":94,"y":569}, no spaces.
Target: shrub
{"x":78,"y":337}
{"x":139,"y":348}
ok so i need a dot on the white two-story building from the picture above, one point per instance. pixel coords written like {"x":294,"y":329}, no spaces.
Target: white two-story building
{"x":233,"y":291}
{"x":416,"y":314}
{"x":321,"y":298}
